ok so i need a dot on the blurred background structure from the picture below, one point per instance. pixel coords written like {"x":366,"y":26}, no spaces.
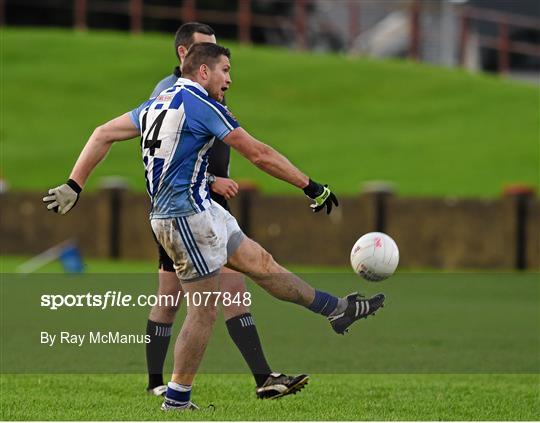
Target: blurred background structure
{"x":492,"y":35}
{"x":461,"y":151}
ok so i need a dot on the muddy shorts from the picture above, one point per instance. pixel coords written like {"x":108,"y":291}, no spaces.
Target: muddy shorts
{"x":199,"y":244}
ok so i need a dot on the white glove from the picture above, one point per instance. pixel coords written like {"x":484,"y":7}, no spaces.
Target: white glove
{"x":63,"y":198}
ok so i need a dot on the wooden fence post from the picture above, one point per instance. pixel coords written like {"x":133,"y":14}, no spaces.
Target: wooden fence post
{"x":463,"y":37}
{"x":503,"y":48}
{"x":414,"y":42}
{"x":244,"y":21}
{"x":354,"y":21}
{"x":246,"y":196}
{"x":79,"y":14}
{"x":2,"y":13}
{"x":114,"y":189}
{"x":135,"y":15}
{"x":300,"y":23}
{"x":189,"y":9}
{"x":521,"y":195}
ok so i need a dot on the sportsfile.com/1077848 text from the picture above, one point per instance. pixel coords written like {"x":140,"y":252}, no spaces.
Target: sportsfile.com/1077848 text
{"x":118,"y":299}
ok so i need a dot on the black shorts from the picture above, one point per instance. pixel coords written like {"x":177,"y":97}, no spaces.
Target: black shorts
{"x":164,"y":261}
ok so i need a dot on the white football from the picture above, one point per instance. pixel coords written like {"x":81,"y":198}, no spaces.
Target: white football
{"x":375,"y":256}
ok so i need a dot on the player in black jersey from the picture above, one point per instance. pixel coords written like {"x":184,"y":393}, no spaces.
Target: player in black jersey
{"x":238,"y":319}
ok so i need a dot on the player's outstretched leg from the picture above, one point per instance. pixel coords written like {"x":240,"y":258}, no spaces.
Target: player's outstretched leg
{"x":254,"y":261}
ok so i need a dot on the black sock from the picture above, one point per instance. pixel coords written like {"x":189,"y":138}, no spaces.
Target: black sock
{"x":244,"y":334}
{"x":156,"y":350}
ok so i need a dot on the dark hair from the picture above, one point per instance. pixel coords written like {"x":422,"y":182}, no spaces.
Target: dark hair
{"x":184,"y":34}
{"x":203,"y":54}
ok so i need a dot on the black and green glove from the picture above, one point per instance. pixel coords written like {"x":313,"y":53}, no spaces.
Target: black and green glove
{"x":321,"y":195}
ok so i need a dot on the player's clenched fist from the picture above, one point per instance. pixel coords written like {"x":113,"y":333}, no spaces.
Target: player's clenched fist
{"x":321,"y":195}
{"x":63,"y":198}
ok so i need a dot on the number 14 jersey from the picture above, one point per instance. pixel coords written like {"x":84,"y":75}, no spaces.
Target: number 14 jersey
{"x":178,"y":127}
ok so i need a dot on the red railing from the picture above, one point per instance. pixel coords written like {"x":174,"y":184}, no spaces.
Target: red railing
{"x":188,"y":10}
{"x":243,"y":17}
{"x":501,"y":43}
{"x":245,"y":20}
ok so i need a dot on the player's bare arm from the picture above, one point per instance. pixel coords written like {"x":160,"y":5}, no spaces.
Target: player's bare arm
{"x":266,"y":158}
{"x":64,"y":197}
{"x":275,"y":164}
{"x":99,"y":144}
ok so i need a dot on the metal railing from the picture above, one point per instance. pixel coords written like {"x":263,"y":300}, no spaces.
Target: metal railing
{"x":245,"y":20}
{"x":502,"y":42}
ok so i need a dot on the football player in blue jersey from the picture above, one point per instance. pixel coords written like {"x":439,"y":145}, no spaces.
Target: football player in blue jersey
{"x":238,"y":319}
{"x":177,"y":129}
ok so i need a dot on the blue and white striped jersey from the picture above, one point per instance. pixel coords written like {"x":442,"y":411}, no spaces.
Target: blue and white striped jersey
{"x":178,"y":127}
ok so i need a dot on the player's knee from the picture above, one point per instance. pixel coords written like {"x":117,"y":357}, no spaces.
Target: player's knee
{"x":203,"y":314}
{"x":233,"y":284}
{"x":163,"y":313}
{"x":207,"y":315}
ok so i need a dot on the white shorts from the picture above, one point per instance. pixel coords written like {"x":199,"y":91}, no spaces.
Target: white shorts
{"x":199,"y":244}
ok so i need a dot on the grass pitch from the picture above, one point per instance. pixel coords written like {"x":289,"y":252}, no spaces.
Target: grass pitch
{"x":449,"y":322}
{"x":432,"y":131}
{"x":327,"y":397}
